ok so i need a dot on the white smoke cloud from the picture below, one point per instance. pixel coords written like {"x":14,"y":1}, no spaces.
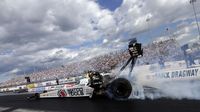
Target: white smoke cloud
{"x":182,"y":90}
{"x":143,"y":88}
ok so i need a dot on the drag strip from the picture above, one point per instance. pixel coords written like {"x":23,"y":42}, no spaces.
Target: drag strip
{"x":19,"y":103}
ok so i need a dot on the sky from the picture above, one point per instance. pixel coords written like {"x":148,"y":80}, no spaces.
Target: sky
{"x":37,"y":34}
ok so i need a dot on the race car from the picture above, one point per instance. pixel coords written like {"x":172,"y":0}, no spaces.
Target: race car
{"x":92,"y":85}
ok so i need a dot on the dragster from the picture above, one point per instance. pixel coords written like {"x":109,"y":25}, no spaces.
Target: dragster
{"x":92,"y":85}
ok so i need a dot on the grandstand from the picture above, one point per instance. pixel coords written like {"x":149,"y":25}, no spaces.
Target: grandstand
{"x":168,"y":49}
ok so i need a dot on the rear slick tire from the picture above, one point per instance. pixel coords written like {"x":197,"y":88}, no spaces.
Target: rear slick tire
{"x":120,"y":89}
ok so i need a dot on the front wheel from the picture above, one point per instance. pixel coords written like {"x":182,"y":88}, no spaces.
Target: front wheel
{"x":36,"y":96}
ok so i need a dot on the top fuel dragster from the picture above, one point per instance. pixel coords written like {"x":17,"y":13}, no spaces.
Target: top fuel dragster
{"x":92,"y":85}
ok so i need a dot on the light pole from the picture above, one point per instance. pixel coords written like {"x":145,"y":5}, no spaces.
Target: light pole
{"x":192,"y":2}
{"x":147,"y":20}
{"x":148,"y":26}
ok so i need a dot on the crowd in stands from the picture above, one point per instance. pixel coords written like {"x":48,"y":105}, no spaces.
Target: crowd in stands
{"x":168,"y":50}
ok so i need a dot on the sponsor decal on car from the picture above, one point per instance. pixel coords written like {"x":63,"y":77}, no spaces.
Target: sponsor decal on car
{"x":69,"y":85}
{"x":30,"y":86}
{"x":62,"y":93}
{"x":75,"y":91}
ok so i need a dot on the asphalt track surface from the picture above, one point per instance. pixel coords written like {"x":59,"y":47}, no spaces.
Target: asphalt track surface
{"x":19,"y":103}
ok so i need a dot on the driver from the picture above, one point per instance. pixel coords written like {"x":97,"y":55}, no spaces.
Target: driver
{"x":95,"y":80}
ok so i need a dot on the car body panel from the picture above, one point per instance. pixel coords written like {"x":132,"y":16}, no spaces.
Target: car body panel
{"x":75,"y":91}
